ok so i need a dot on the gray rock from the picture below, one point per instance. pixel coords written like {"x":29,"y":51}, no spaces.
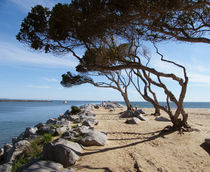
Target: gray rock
{"x":61,"y":130}
{"x":45,"y":129}
{"x":138,"y":112}
{"x":85,"y":129}
{"x":96,"y":106}
{"x":110,"y":105}
{"x":141,"y":117}
{"x":39,"y":125}
{"x":30,"y":131}
{"x":207,"y":140}
{"x":127,"y":114}
{"x":133,"y":120}
{"x":7,"y":167}
{"x":43,"y":166}
{"x":22,"y":143}
{"x":74,"y":118}
{"x":16,"y":150}
{"x":89,"y":122}
{"x":94,"y":138}
{"x":161,"y":118}
{"x":51,"y":121}
{"x":8,"y":150}
{"x":62,"y":151}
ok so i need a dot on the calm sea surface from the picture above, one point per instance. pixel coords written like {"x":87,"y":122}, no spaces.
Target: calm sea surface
{"x":16,"y":116}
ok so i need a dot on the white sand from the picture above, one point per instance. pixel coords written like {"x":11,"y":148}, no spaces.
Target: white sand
{"x":140,"y":144}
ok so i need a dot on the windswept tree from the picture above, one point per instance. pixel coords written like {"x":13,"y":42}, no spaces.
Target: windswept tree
{"x":116,"y":80}
{"x":87,"y":23}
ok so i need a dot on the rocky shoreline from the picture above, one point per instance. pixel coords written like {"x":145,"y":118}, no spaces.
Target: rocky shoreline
{"x":57,"y":144}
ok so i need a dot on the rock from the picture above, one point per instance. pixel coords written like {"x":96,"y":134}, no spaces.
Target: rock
{"x":70,"y":135}
{"x":43,"y":166}
{"x":85,"y":129}
{"x":14,"y":140}
{"x":62,"y":151}
{"x":87,"y":108}
{"x":30,"y":131}
{"x":22,"y":143}
{"x":7,"y":167}
{"x":89,"y":122}
{"x":39,"y":125}
{"x":51,"y":121}
{"x":16,"y":150}
{"x":127,"y":114}
{"x":138,"y":112}
{"x":94,"y":138}
{"x":161,"y":118}
{"x":207,"y":141}
{"x":1,"y":155}
{"x":45,"y":129}
{"x":141,"y":117}
{"x":8,"y":149}
{"x":110,"y":105}
{"x":96,"y":106}
{"x":134,"y":120}
{"x":74,"y":118}
{"x":61,"y":130}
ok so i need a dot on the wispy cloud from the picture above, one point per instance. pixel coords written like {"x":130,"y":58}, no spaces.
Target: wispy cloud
{"x":199,"y":78}
{"x":27,"y":4}
{"x":12,"y":53}
{"x":38,"y":86}
{"x":50,"y":79}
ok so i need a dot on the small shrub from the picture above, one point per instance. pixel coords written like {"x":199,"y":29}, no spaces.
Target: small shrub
{"x":32,"y":151}
{"x":75,"y":110}
{"x":46,"y":138}
{"x":19,"y":162}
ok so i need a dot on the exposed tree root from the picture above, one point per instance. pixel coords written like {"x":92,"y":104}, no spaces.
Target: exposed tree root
{"x":180,"y":128}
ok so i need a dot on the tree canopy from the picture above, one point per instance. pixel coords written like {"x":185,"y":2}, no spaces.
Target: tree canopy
{"x":111,"y":32}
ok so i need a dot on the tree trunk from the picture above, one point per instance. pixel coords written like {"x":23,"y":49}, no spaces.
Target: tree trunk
{"x":127,"y":102}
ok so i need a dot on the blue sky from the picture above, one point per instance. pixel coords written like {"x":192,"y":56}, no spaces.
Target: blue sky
{"x":26,"y":74}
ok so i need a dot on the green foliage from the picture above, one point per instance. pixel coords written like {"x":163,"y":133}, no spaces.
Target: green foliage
{"x":19,"y":162}
{"x":75,"y":110}
{"x":32,"y":151}
{"x":46,"y":138}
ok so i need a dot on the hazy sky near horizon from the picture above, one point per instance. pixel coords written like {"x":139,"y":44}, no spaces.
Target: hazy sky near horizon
{"x":27,"y":74}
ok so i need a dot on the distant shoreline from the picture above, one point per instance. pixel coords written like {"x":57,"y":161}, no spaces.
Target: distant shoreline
{"x":16,"y":100}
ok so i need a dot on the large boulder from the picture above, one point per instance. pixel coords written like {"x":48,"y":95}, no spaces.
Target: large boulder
{"x":8,"y":150}
{"x":133,"y":120}
{"x":7,"y":167}
{"x":127,"y":114}
{"x":61,"y":130}
{"x":94,"y":138}
{"x":16,"y":150}
{"x":39,"y":125}
{"x":52,"y":121}
{"x":62,"y":151}
{"x":90,"y":122}
{"x":30,"y":131}
{"x":43,"y":166}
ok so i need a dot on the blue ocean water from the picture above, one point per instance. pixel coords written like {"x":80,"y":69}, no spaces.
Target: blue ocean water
{"x":16,"y":116}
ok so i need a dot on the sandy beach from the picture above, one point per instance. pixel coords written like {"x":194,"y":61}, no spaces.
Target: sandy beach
{"x":133,"y":147}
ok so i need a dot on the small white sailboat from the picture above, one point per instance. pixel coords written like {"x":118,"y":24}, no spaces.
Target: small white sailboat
{"x":65,"y":102}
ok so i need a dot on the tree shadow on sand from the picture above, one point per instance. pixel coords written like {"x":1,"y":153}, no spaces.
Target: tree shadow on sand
{"x":161,"y":133}
{"x":106,"y":169}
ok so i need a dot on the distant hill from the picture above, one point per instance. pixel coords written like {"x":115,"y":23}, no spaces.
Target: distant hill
{"x":18,"y":100}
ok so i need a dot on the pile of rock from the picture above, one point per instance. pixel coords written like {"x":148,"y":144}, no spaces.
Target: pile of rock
{"x":134,"y":116}
{"x":108,"y":105}
{"x":73,"y":131}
